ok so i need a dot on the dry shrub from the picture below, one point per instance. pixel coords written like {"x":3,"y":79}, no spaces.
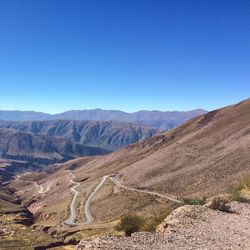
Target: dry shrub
{"x":196,"y":201}
{"x":219,"y":203}
{"x":130,"y":224}
{"x":151,"y":223}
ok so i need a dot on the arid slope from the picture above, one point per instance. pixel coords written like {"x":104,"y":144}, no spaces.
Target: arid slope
{"x":201,"y":157}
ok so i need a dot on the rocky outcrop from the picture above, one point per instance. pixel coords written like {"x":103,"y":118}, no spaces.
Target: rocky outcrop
{"x":188,"y":227}
{"x":25,"y":218}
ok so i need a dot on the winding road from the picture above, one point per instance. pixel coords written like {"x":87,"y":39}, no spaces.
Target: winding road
{"x":87,"y":211}
{"x":72,"y":217}
{"x":40,"y":188}
{"x":118,"y":183}
{"x":89,"y":218}
{"x":43,"y":190}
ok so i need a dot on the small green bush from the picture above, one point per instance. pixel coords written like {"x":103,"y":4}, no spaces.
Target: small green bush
{"x":246,"y":182}
{"x":130,"y":224}
{"x":133,"y":223}
{"x":234,"y":193}
{"x":220,"y":204}
{"x":197,"y":201}
{"x":151,"y":223}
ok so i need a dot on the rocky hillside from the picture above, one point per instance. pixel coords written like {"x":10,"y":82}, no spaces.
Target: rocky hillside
{"x":200,"y":157}
{"x":188,"y":227}
{"x":159,"y":119}
{"x":15,"y":230}
{"x":107,"y":135}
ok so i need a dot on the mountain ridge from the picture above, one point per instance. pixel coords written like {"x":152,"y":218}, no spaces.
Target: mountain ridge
{"x":41,"y":149}
{"x":159,"y":119}
{"x":109,"y":135}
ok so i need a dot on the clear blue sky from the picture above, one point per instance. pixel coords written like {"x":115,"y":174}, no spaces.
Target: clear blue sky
{"x":57,"y":55}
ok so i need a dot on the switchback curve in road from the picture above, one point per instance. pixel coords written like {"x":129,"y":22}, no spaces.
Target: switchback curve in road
{"x":43,"y":190}
{"x":72,"y":217}
{"x":118,"y":183}
{"x":40,"y":188}
{"x":89,"y":218}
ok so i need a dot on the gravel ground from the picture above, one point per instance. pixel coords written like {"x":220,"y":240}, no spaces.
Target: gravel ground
{"x":188,"y":227}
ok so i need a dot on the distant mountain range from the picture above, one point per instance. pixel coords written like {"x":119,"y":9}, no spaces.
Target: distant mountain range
{"x":159,"y":119}
{"x":45,"y":142}
{"x":108,"y":135}
{"x":41,"y":138}
{"x":41,"y":149}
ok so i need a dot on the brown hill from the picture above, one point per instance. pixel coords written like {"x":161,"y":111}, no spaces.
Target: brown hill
{"x":201,"y":157}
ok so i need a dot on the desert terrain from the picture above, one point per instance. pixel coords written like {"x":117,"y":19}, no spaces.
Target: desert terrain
{"x":88,"y":196}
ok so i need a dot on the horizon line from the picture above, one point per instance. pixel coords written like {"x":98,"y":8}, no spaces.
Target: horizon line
{"x":102,"y":109}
